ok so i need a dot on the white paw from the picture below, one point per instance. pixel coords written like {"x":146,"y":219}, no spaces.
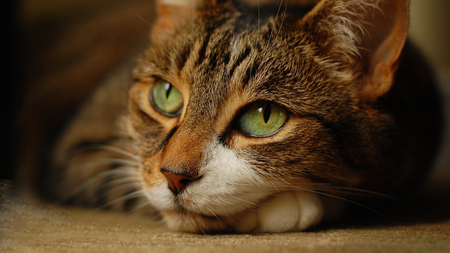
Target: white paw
{"x":279,"y":214}
{"x":287,"y":211}
{"x":311,"y":209}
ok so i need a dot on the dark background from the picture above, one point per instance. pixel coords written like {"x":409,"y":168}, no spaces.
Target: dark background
{"x":55,"y":53}
{"x":11,"y":84}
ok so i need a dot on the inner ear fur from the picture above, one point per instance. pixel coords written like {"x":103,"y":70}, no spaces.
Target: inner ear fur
{"x":371,"y":31}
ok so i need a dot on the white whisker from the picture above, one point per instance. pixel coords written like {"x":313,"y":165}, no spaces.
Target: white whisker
{"x":146,"y":203}
{"x":97,"y":177}
{"x":243,"y":200}
{"x":148,"y":23}
{"x":266,"y":54}
{"x":125,"y":197}
{"x":89,"y":166}
{"x":212,"y":212}
{"x":117,"y":150}
{"x":343,"y":199}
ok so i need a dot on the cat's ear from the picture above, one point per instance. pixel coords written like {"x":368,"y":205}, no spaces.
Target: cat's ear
{"x":373,"y":31}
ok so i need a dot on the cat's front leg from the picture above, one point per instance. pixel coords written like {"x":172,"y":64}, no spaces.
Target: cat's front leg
{"x":284,"y":212}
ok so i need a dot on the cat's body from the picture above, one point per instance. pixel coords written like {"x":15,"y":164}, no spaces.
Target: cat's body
{"x":344,"y":114}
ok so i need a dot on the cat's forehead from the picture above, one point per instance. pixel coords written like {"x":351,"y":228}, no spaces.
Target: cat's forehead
{"x":211,"y":48}
{"x":241,"y":55}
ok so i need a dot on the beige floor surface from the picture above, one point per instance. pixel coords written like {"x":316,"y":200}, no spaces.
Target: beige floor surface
{"x":33,"y":227}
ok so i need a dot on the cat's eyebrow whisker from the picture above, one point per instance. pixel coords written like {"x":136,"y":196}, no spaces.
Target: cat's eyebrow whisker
{"x":276,"y":36}
{"x":193,"y":17}
{"x":256,"y":41}
{"x":148,"y":23}
{"x":271,"y":33}
{"x":279,"y":29}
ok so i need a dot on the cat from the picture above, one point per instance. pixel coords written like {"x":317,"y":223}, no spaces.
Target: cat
{"x":254,"y":116}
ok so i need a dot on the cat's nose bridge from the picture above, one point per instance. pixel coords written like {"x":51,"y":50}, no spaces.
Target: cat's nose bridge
{"x":184,"y":151}
{"x":182,"y":157}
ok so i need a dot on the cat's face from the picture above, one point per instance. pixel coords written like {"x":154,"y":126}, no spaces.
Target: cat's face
{"x":232,"y":106}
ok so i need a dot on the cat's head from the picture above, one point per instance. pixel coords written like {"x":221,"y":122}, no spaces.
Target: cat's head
{"x":236,"y":101}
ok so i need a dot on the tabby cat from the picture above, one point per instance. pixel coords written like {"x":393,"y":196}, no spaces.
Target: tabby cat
{"x":252,"y":116}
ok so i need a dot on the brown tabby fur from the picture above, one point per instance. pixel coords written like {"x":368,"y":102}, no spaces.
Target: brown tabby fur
{"x":352,"y":124}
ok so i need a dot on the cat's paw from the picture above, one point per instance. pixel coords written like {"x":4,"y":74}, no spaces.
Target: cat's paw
{"x":283,"y":212}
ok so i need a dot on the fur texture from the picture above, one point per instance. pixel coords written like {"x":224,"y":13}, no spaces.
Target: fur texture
{"x":360,"y":118}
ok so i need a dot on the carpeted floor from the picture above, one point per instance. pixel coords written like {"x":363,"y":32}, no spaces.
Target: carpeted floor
{"x":27,"y":226}
{"x":88,"y":32}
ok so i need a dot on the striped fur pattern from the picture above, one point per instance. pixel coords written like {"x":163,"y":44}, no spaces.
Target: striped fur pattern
{"x":359,"y":115}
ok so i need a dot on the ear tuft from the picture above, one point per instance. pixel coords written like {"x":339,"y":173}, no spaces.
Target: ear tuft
{"x":348,"y":21}
{"x":366,"y":34}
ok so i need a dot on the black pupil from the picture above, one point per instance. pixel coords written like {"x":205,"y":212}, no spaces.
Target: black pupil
{"x":168,"y":89}
{"x":267,"y":112}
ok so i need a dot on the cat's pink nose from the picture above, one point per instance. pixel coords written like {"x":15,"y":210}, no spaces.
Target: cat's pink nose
{"x":177,"y":182}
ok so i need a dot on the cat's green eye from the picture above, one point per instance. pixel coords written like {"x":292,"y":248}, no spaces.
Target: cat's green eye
{"x":262,"y":118}
{"x":166,"y":98}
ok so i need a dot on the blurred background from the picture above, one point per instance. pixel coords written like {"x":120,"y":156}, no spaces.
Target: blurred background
{"x":430,"y":31}
{"x":50,"y":41}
